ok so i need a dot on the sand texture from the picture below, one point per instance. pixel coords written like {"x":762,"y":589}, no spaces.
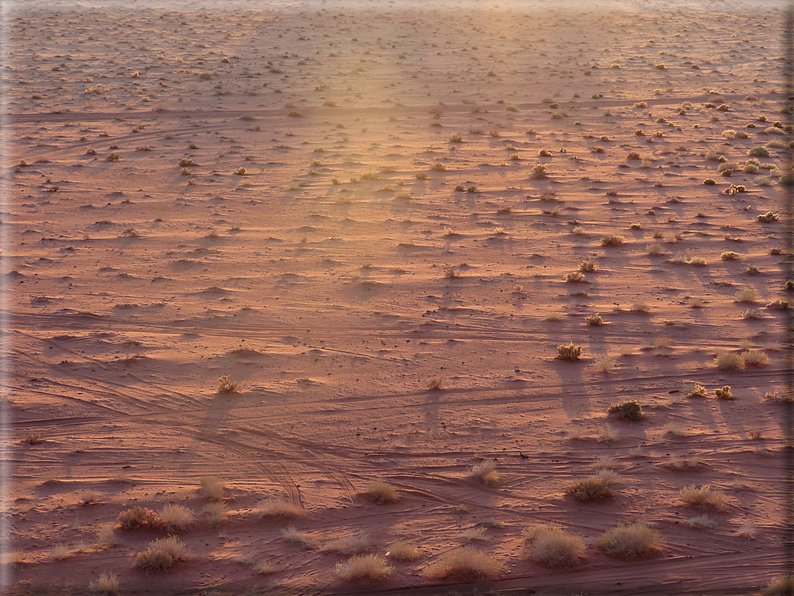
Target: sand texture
{"x":380,"y":220}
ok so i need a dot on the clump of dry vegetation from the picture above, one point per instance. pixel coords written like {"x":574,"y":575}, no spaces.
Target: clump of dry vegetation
{"x":161,"y":555}
{"x":211,"y":488}
{"x":485,"y":473}
{"x":703,"y":497}
{"x":570,"y":353}
{"x":176,"y":518}
{"x":729,"y":361}
{"x":364,"y":568}
{"x":632,"y":541}
{"x":403,"y":551}
{"x":107,"y":584}
{"x":613,"y":240}
{"x":139,"y":517}
{"x":553,"y":546}
{"x":465,"y":564}
{"x":595,"y":488}
{"x":275,"y":508}
{"x":630,"y":410}
{"x":381,"y":492}
{"x":225,"y":385}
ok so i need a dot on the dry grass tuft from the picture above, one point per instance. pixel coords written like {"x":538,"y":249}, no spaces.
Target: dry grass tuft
{"x":176,"y":518}
{"x":403,"y":551}
{"x":211,"y":488}
{"x":139,"y":517}
{"x":215,"y":512}
{"x":632,"y":541}
{"x":755,"y":358}
{"x":473,"y":534}
{"x":596,"y":488}
{"x":465,"y":564}
{"x":381,"y":492}
{"x":61,"y":552}
{"x":703,"y":498}
{"x":747,"y":295}
{"x":354,"y":543}
{"x":486,"y":473}
{"x":729,"y":361}
{"x":303,"y":539}
{"x":161,"y":555}
{"x":279,"y":508}
{"x":550,"y":544}
{"x":107,"y":584}
{"x":367,"y":568}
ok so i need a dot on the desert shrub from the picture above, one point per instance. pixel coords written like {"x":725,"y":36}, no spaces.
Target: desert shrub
{"x":612,"y":240}
{"x":240,"y":171}
{"x":539,"y":172}
{"x":704,"y":497}
{"x":631,"y":410}
{"x":381,"y":492}
{"x":485,"y":473}
{"x":403,"y":551}
{"x":354,"y":543}
{"x":695,"y":390}
{"x":211,"y":488}
{"x":225,"y":385}
{"x":363,"y":568}
{"x":570,"y":352}
{"x":154,"y":561}
{"x":550,"y":544}
{"x":709,"y":182}
{"x":780,"y":586}
{"x":139,"y":517}
{"x":595,"y":320}
{"x":465,"y":564}
{"x":587,"y":266}
{"x":434,"y":384}
{"x":303,"y":539}
{"x":574,"y":276}
{"x":632,"y":541}
{"x":162,"y":554}
{"x":279,"y":508}
{"x":107,"y":584}
{"x":215,"y":512}
{"x":654,"y":249}
{"x":176,"y":518}
{"x":633,"y":155}
{"x":439,"y":167}
{"x":697,"y":262}
{"x":595,"y":488}
{"x":729,"y":361}
{"x":748,"y":295}
{"x":755,"y":358}
{"x":779,"y":305}
{"x":768,"y":217}
{"x":544,"y":153}
{"x":730,"y":255}
{"x":724,"y":392}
